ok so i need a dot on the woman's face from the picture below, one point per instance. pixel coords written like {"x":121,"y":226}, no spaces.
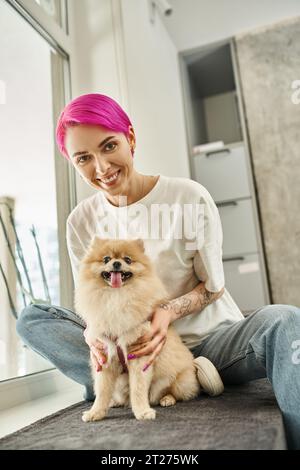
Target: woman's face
{"x":102,"y":157}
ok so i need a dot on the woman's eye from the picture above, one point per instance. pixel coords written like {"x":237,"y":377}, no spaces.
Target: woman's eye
{"x":110,"y":143}
{"x":79,"y":160}
{"x":127,"y":260}
{"x":106,"y":259}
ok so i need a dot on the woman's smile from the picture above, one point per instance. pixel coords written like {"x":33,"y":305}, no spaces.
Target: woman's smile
{"x":110,"y":181}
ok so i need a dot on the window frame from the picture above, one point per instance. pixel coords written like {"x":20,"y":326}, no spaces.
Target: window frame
{"x":33,"y":12}
{"x":66,"y":199}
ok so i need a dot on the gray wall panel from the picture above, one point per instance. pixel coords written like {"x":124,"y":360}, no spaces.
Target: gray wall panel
{"x":269,"y":61}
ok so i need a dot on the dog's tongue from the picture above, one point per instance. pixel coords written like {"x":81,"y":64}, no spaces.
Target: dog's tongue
{"x":115,"y":279}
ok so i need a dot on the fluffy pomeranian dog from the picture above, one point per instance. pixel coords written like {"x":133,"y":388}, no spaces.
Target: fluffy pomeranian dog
{"x":117,"y":292}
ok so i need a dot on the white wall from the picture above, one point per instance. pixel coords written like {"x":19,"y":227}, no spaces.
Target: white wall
{"x":117,"y":51}
{"x":198,"y":22}
{"x":154,"y":91}
{"x":95,"y":66}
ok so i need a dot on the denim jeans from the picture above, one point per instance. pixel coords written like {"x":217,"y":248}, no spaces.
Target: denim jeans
{"x":265,"y":344}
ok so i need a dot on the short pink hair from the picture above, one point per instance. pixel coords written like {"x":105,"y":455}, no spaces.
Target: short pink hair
{"x":95,"y":109}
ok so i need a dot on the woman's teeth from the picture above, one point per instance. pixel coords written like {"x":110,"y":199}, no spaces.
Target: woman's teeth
{"x":112,"y":178}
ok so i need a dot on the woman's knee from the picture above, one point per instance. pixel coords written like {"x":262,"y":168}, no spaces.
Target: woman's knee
{"x":28,"y":315}
{"x":281,"y":314}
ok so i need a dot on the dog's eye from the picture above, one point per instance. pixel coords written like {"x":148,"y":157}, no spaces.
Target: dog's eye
{"x":106,"y":259}
{"x":127,"y":260}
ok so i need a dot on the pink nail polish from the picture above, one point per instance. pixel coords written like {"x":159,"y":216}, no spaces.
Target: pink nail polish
{"x":131,"y":356}
{"x":145,"y":367}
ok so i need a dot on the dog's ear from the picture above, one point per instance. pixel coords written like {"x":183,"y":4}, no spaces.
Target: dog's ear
{"x":140,"y":243}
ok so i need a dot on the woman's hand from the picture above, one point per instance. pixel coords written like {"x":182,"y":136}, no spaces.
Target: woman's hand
{"x":152,"y":342}
{"x":98,"y":351}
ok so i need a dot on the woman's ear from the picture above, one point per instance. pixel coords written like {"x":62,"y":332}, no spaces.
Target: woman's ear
{"x":131,"y":137}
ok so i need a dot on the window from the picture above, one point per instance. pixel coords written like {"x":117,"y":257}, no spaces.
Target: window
{"x":32,"y":209}
{"x":56,"y":9}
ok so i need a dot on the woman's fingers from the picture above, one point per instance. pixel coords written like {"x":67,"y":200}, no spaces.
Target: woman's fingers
{"x":147,"y":337}
{"x":95,"y":362}
{"x":148,"y":349}
{"x":98,"y":350}
{"x":92,"y":341}
{"x":142,"y":341}
{"x":100,"y":357}
{"x":154,"y":354}
{"x":100,"y":347}
{"x":141,"y":351}
{"x":137,"y":347}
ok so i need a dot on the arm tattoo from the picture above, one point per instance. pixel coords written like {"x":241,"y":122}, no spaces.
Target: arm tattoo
{"x":194,"y":301}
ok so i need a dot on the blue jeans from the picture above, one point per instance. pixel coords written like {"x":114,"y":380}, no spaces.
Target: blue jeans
{"x":265,"y":344}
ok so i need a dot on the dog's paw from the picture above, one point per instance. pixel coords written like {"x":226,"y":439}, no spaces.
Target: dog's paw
{"x":149,"y":413}
{"x":93,"y":415}
{"x":167,"y":400}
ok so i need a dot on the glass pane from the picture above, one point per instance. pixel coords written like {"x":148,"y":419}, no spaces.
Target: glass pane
{"x":55,"y":9}
{"x":29,"y":259}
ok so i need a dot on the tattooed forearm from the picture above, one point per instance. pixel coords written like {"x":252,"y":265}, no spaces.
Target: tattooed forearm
{"x":192,"y":302}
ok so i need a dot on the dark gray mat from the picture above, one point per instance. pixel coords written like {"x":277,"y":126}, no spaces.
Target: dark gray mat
{"x":244,"y":417}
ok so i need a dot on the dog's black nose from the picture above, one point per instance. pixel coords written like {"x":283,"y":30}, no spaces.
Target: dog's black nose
{"x":117,"y":264}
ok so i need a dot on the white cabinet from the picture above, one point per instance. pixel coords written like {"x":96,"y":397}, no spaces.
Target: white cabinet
{"x":214,"y":113}
{"x":244,"y":280}
{"x":239,"y":234}
{"x":223,"y":172}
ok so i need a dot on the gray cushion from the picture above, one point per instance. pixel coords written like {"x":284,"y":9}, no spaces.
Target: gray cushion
{"x":244,"y":417}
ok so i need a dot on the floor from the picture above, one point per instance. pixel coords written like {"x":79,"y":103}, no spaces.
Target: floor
{"x":19,"y":416}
